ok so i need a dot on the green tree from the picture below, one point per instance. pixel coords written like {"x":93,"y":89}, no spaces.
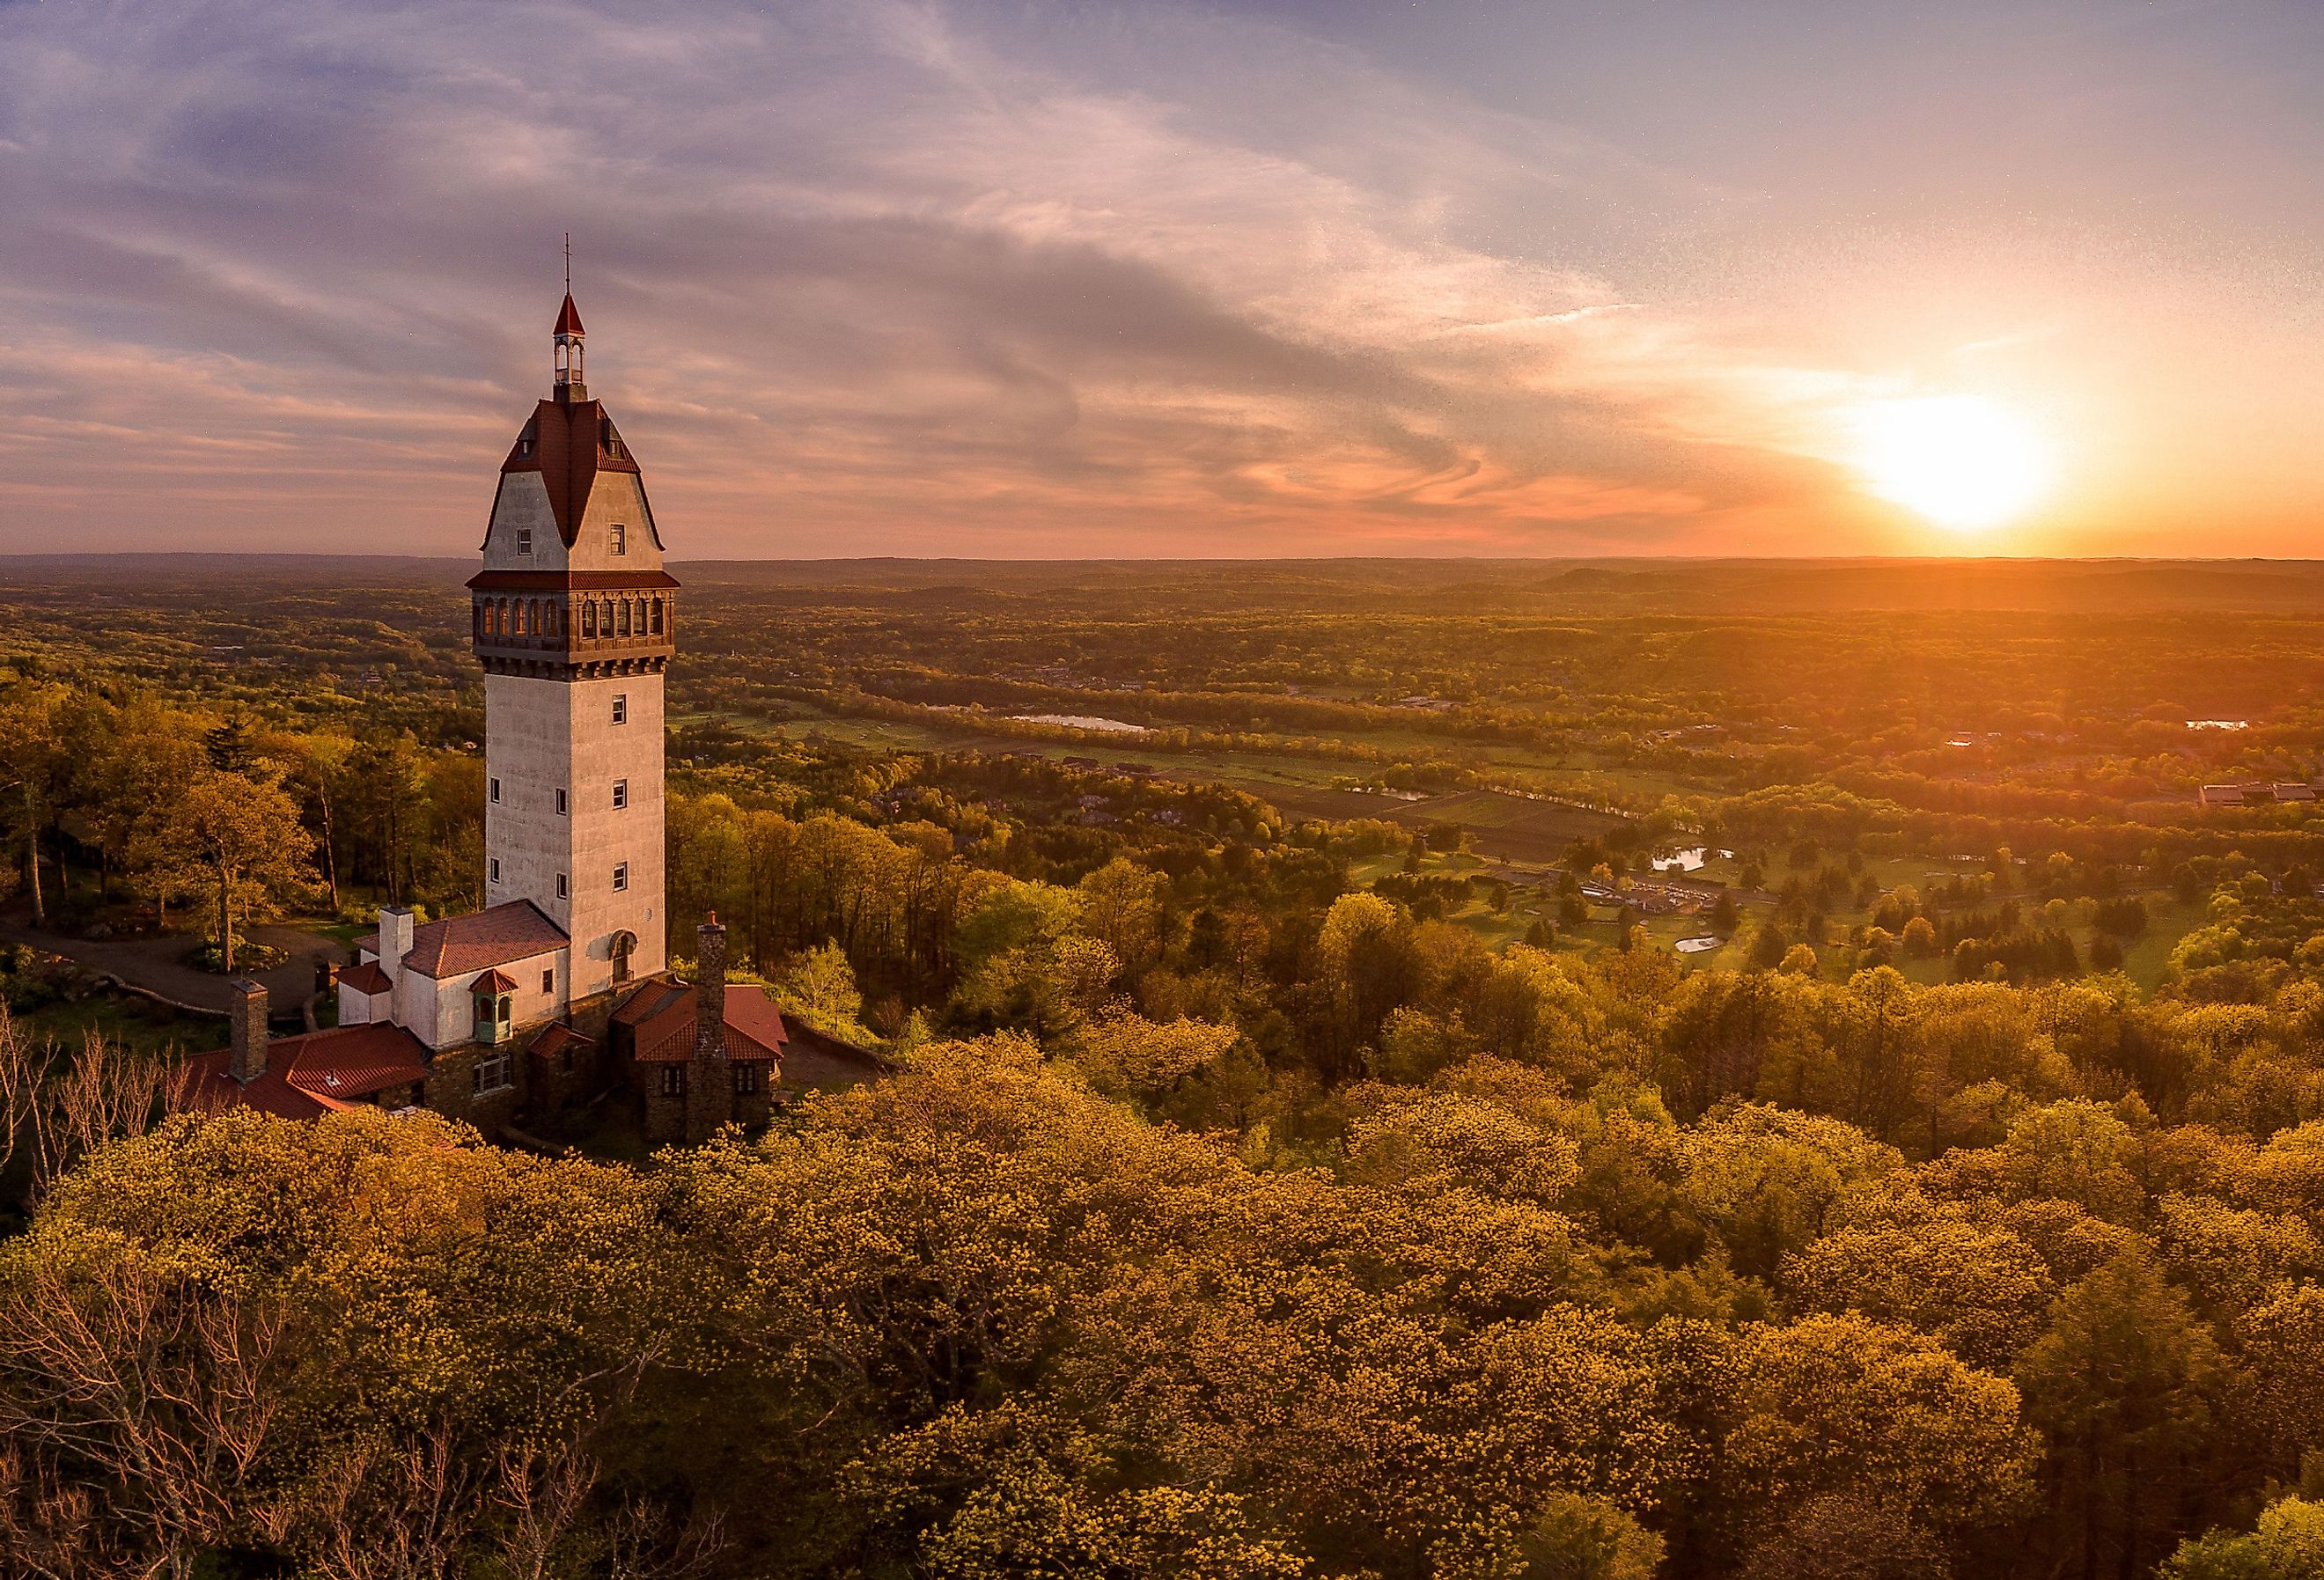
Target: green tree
{"x":1838,"y":1406}
{"x":244,"y":840}
{"x":2127,"y":1386}
{"x":29,"y":756}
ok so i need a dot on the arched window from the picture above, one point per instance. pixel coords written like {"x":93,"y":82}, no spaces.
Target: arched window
{"x":657,"y":616}
{"x":589,"y":618}
{"x":624,"y":617}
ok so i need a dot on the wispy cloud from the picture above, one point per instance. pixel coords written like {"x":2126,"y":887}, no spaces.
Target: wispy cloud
{"x":863,"y":277}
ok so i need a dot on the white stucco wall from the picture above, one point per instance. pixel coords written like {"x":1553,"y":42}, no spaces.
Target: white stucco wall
{"x":522,"y":502}
{"x":442,"y":1014}
{"x":618,"y":496}
{"x":355,"y":1008}
{"x":541,"y":735}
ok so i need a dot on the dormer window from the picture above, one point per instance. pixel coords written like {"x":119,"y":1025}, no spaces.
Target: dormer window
{"x":492,"y":1005}
{"x":621,"y":544}
{"x":524,"y":539}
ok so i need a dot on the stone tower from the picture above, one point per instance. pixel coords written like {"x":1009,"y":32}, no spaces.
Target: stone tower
{"x":573,"y":621}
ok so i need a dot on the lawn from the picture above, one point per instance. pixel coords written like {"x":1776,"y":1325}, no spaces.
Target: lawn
{"x":124,"y":1019}
{"x":2145,"y":957}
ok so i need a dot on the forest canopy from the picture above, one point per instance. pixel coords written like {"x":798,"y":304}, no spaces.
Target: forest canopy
{"x":1496,"y":1080}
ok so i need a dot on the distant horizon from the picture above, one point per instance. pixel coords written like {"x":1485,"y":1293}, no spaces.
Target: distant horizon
{"x":449,"y":558}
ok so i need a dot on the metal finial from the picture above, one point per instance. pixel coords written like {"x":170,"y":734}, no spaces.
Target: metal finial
{"x":568,"y":263}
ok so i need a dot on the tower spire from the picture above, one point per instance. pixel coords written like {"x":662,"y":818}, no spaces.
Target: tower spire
{"x":570,"y":385}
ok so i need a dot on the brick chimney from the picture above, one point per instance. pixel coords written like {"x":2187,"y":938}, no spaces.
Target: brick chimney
{"x":710,"y":994}
{"x":245,"y":1059}
{"x":395,"y":940}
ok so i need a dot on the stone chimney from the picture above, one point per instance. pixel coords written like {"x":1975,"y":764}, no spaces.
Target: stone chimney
{"x":245,"y":1059}
{"x":710,"y":994}
{"x":395,"y":940}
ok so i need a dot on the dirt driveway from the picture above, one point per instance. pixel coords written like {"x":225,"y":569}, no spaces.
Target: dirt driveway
{"x":157,"y":965}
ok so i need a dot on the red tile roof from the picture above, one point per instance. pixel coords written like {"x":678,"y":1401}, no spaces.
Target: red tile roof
{"x":460,"y":944}
{"x":754,"y":1029}
{"x":494,"y":981}
{"x":366,"y":978}
{"x":752,"y":1018}
{"x":309,"y":1074}
{"x":572,"y":442}
{"x":568,"y":319}
{"x":652,"y":997}
{"x":558,"y":1038}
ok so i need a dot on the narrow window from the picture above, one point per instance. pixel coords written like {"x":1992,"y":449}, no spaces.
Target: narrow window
{"x":560,"y":801}
{"x":524,"y":539}
{"x":746,"y":1079}
{"x":673,"y":1080}
{"x":621,"y":876}
{"x":621,"y":707}
{"x":657,"y":616}
{"x":621,"y":539}
{"x":624,"y":616}
{"x":621,"y":794}
{"x":497,"y":792}
{"x":589,"y":618}
{"x":560,"y":885}
{"x":548,"y":980}
{"x":496,"y":869}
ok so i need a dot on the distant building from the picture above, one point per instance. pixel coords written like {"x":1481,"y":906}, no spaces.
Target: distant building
{"x":2254,"y":794}
{"x":554,"y":990}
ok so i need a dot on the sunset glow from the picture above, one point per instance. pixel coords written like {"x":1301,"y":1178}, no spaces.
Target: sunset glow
{"x":1253,"y":278}
{"x":1961,"y":461}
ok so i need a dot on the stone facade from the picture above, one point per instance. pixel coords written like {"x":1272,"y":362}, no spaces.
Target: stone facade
{"x":710,"y":1083}
{"x":574,"y":619}
{"x":246,"y":1031}
{"x":552,"y":741}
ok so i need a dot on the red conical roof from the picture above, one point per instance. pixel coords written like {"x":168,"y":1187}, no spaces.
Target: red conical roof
{"x":568,"y":321}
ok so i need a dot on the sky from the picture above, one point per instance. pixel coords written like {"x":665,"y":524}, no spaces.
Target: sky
{"x":1287,"y":277}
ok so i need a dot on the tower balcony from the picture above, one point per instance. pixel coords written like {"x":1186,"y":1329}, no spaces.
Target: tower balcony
{"x":577,"y":626}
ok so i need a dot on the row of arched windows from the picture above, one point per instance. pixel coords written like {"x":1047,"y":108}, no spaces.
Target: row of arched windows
{"x":602,"y":617}
{"x":599,"y":617}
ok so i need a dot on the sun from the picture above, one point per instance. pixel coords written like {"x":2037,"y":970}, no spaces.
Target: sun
{"x":1962,"y":461}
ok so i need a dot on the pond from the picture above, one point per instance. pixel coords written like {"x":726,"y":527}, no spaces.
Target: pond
{"x":1690,"y":861}
{"x":1079,"y":721}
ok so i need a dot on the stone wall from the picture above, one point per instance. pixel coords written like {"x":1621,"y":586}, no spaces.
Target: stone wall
{"x":451,"y":1086}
